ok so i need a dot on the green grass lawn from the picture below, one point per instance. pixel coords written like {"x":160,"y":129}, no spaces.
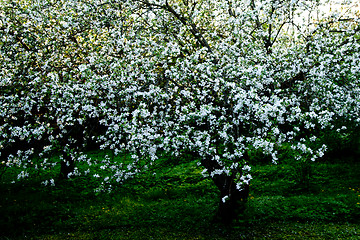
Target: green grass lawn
{"x":178,"y":203}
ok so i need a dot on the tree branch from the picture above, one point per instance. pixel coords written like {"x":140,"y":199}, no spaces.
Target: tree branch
{"x":193,"y":29}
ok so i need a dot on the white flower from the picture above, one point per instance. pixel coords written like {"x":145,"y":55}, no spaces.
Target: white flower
{"x":82,"y":67}
{"x":64,"y":24}
{"x":224,"y":199}
{"x":246,"y":168}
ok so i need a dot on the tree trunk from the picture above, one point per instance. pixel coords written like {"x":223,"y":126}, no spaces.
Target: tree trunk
{"x":232,"y":200}
{"x":67,"y":166}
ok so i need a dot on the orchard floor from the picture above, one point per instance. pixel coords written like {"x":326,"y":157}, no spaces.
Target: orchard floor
{"x":178,"y":203}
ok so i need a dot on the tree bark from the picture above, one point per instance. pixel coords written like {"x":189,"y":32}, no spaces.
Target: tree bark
{"x":232,"y":200}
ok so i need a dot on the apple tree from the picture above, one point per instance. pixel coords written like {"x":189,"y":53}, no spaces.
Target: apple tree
{"x":217,"y":79}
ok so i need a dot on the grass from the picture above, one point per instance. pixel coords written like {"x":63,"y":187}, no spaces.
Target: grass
{"x":178,"y":203}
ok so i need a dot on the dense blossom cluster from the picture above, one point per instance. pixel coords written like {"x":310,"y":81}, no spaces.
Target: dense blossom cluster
{"x":219,"y":79}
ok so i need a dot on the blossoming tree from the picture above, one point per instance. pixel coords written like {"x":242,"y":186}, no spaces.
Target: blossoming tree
{"x":218,"y":79}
